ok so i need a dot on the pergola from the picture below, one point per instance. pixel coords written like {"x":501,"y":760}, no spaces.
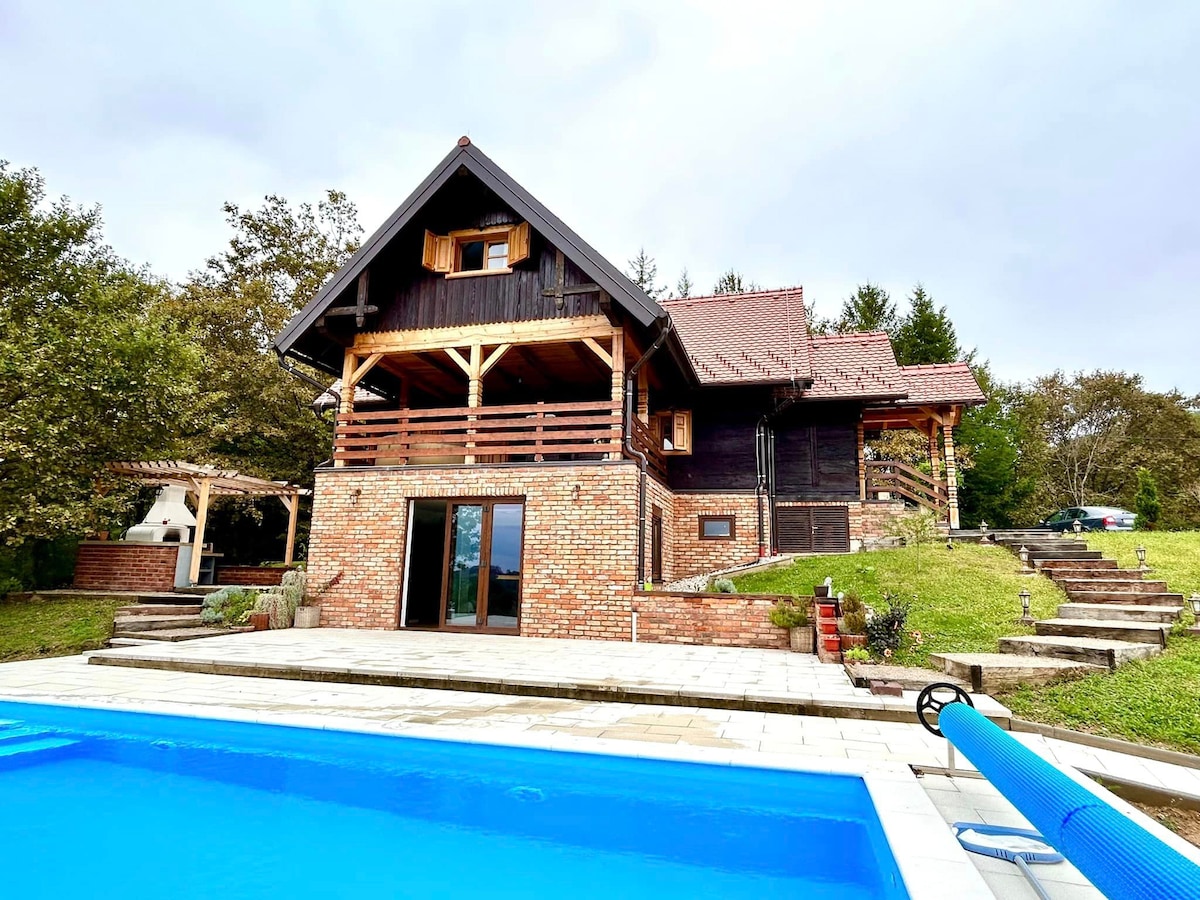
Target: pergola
{"x":204,"y":482}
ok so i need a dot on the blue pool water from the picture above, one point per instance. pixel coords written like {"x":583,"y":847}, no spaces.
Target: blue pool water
{"x":97,"y":803}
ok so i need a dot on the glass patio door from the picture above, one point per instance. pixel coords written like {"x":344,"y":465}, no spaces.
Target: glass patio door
{"x":483,"y":577}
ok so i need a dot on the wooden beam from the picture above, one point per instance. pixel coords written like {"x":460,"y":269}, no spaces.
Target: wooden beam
{"x":292,"y":503}
{"x":459,"y":360}
{"x":605,"y":356}
{"x":201,"y":520}
{"x":494,"y":358}
{"x":862,"y":461}
{"x":474,"y":393}
{"x":935,"y":459}
{"x":346,"y":400}
{"x":540,"y":331}
{"x":573,"y":289}
{"x":643,"y":396}
{"x":367,"y":365}
{"x":618,"y":382}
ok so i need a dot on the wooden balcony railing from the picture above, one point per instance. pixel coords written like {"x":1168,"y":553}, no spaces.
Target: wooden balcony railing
{"x":643,"y":440}
{"x":483,"y":434}
{"x":897,"y":479}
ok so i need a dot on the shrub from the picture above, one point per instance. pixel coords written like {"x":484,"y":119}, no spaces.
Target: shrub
{"x":852,"y":603}
{"x":724,"y":586}
{"x":227,"y":606}
{"x":789,"y":615}
{"x":854,"y":623}
{"x":856,"y":654}
{"x":1146,"y":503}
{"x":885,"y":630}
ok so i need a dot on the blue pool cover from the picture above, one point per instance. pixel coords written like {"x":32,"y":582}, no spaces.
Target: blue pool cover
{"x":98,"y":803}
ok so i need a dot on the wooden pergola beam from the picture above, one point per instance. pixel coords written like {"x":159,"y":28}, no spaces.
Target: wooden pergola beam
{"x":492,"y":335}
{"x":202,"y":490}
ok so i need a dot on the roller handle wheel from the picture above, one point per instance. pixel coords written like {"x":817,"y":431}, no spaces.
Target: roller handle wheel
{"x":929,"y":705}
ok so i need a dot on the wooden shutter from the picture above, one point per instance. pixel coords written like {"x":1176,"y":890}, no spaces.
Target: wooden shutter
{"x":681,"y":432}
{"x":518,"y":244}
{"x":795,"y":529}
{"x":438,"y":253}
{"x":813,"y":529}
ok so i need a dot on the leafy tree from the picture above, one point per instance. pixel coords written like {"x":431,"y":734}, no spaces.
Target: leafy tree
{"x":926,"y":334}
{"x":817,"y":324}
{"x":643,"y":271}
{"x":732,"y":282}
{"x":992,"y":489}
{"x":684,"y":286}
{"x":1146,"y":503}
{"x":91,"y":370}
{"x":869,"y":308}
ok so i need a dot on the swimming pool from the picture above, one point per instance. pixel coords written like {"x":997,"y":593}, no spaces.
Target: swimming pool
{"x":102,"y":802}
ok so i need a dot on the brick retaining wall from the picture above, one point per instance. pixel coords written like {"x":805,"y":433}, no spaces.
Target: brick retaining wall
{"x":125,"y":566}
{"x":254,"y":576}
{"x":731,"y":620}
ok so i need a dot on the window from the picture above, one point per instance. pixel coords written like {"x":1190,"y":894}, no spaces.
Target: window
{"x":673,"y":432}
{"x":716,"y":528}
{"x":476,"y":251}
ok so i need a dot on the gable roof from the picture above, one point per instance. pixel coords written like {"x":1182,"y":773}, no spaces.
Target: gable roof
{"x":859,"y":365}
{"x":754,"y":338}
{"x":466,"y":155}
{"x":941,"y":383}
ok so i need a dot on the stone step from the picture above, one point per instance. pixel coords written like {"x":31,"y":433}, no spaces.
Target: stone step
{"x":1057,"y":553}
{"x":1135,"y":598}
{"x":1066,"y":546}
{"x":1061,"y":573}
{"x":1094,"y":651}
{"x":183,"y":597}
{"x":179,"y":634}
{"x":29,"y":748}
{"x":1111,"y":584}
{"x":130,"y":642}
{"x":992,"y":672}
{"x":1113,"y":629}
{"x":1113,"y":611}
{"x":159,"y":609}
{"x":1078,"y":565}
{"x":154,"y":623}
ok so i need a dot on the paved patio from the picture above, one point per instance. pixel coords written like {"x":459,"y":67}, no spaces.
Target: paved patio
{"x":662,"y":674}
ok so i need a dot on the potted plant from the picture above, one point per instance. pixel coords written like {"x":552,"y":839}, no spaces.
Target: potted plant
{"x":854,"y":622}
{"x":856,"y":655}
{"x":794,"y":617}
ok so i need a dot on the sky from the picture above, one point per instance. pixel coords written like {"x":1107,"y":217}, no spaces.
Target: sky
{"x":1034,"y":165}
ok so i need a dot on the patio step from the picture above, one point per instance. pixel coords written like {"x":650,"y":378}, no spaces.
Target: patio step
{"x":178,"y":634}
{"x":1060,"y":573}
{"x":1113,"y":629}
{"x":991,"y":672}
{"x":1058,"y":553}
{"x":1065,"y":565}
{"x":158,"y":609}
{"x":124,"y":624}
{"x":181,"y":597}
{"x":1110,"y":584}
{"x":1124,"y":612}
{"x":1135,"y":598}
{"x":129,"y":642}
{"x":1100,"y":652}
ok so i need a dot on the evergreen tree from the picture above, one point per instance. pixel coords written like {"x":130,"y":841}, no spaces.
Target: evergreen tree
{"x":926,"y":335}
{"x":817,"y":324}
{"x":732,"y":282}
{"x":683,"y":287}
{"x":869,"y":308}
{"x":643,"y":271}
{"x":1146,"y":503}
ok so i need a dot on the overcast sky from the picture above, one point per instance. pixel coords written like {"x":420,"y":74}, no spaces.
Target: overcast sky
{"x":1033,"y":164}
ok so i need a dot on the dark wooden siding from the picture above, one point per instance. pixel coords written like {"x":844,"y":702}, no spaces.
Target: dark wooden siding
{"x":723,"y":424}
{"x":816,"y":453}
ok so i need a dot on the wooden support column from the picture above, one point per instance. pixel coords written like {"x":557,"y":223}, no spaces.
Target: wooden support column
{"x":951,"y":475}
{"x":643,"y":397}
{"x":935,"y":459}
{"x":618,"y":384}
{"x":346,"y":400}
{"x":474,"y":393}
{"x":201,"y":518}
{"x":292,"y":502}
{"x":861,"y":440}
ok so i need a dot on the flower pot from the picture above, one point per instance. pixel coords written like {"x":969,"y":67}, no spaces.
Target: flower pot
{"x":826,"y":610}
{"x":260,"y":621}
{"x":802,"y":639}
{"x":833,"y":643}
{"x":821,"y":590}
{"x":308,"y":616}
{"x":853,"y":640}
{"x":829,"y":626}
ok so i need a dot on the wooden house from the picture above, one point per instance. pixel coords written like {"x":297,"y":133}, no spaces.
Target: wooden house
{"x":545,"y":441}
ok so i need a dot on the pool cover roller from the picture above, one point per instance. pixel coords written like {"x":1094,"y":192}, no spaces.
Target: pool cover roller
{"x":1122,"y":859}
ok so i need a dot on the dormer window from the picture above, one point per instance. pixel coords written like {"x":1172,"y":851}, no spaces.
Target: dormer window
{"x":477,"y":251}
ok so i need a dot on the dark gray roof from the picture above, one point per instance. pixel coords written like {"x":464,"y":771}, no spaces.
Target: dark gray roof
{"x":624,"y":292}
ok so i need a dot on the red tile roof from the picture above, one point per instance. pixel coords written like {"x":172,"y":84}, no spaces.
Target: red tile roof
{"x":754,"y":338}
{"x":856,"y":365}
{"x":941,"y":383}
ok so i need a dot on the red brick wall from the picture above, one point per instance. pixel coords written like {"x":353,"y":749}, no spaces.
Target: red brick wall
{"x":659,"y":495}
{"x":732,"y":620}
{"x":125,"y":566}
{"x":256,"y":576}
{"x":693,"y":556}
{"x":579,"y":558}
{"x":879,"y":515}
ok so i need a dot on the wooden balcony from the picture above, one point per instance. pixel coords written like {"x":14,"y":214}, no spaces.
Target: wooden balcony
{"x":901,"y":481}
{"x":481,"y":435}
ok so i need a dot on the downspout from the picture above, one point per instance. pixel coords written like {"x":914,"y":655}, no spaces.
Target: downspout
{"x":643,"y":463}
{"x":760,"y":479}
{"x":307,"y":379}
{"x":770,"y":470}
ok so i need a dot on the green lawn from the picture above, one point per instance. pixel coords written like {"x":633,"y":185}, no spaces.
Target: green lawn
{"x":1173,"y":557}
{"x":965,"y":598}
{"x":59,"y":626}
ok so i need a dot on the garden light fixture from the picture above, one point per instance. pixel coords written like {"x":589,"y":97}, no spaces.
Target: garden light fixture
{"x":1026,"y":619}
{"x":983,"y":526}
{"x":1077,"y":526}
{"x":1023,"y":554}
{"x":1195,"y":601}
{"x":1141,"y":555}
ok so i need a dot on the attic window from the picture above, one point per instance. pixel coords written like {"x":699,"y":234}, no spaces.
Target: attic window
{"x":476,"y":251}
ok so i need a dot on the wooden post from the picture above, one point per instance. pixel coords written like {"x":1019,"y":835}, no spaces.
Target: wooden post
{"x":643,"y":397}
{"x":201,"y":518}
{"x":935,"y":460}
{"x":292,"y":502}
{"x":862,"y":461}
{"x":951,"y":475}
{"x":474,"y":394}
{"x":618,"y":385}
{"x":346,"y":404}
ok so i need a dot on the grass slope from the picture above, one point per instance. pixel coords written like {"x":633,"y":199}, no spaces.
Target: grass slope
{"x":59,"y":626}
{"x":965,"y":598}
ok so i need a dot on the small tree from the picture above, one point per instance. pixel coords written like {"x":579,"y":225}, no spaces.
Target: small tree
{"x":733,"y":282}
{"x":643,"y":271}
{"x":683,"y":287}
{"x":1146,"y":503}
{"x":869,"y":308}
{"x":926,"y":335}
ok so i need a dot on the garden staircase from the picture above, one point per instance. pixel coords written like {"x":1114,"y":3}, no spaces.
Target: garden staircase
{"x":1112,"y":616}
{"x":161,"y":617}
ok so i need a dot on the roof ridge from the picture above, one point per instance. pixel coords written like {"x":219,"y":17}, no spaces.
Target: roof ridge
{"x":765,"y":292}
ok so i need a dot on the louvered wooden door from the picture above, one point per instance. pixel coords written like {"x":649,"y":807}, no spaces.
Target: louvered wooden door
{"x":813,"y":529}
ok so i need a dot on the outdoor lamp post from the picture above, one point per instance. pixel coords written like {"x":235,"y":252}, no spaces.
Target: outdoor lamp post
{"x":1141,"y":555}
{"x":982,"y":527}
{"x":1077,"y":526}
{"x":1026,"y":619}
{"x":1195,"y":601}
{"x":1023,"y":555}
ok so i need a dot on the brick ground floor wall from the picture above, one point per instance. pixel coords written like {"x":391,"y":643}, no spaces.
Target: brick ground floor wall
{"x":731,"y":620}
{"x":125,"y":566}
{"x":579,"y":555}
{"x":255,"y":576}
{"x":694,"y":556}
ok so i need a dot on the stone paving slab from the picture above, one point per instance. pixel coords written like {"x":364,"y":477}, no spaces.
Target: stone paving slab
{"x":671,"y":674}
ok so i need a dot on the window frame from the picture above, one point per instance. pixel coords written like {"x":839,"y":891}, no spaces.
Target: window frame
{"x":704,"y":518}
{"x":665,"y":429}
{"x":489,"y":237}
